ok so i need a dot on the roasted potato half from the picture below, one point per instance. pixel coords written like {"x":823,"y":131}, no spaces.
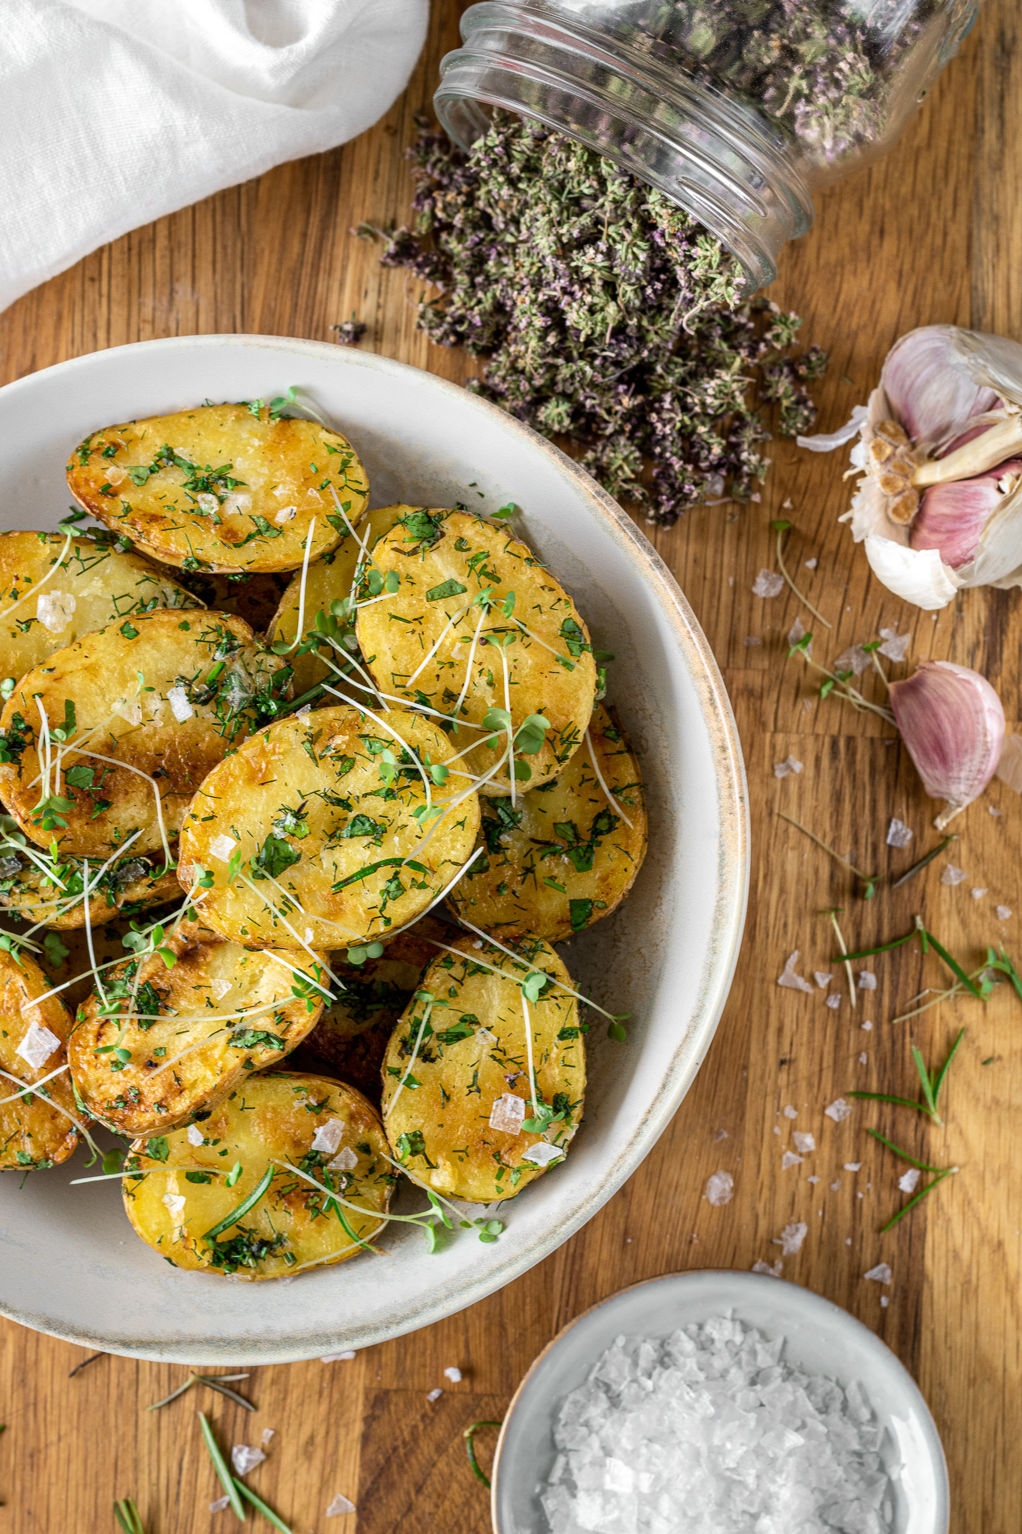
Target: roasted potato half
{"x":567,"y":852}
{"x":317,"y":830}
{"x":458,"y":613}
{"x":37,"y":1129}
{"x":225,"y":488}
{"x":191,"y":1207}
{"x":114,"y":734}
{"x":353,"y":1033}
{"x":36,"y":887}
{"x":456,"y":1087}
{"x":155,"y":1046}
{"x":327,"y":580}
{"x":54,"y":589}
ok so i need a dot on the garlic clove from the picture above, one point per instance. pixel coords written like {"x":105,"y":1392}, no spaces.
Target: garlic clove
{"x":952,"y":723}
{"x":916,"y":575}
{"x":951,"y":517}
{"x":931,"y":388}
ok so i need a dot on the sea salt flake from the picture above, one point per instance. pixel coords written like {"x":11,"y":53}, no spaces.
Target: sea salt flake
{"x":852,"y":1166}
{"x":180,"y":707}
{"x":55,"y":609}
{"x":789,"y":765}
{"x":222,"y":846}
{"x":434,"y":1394}
{"x":346,"y":1160}
{"x":863,"y":1057}
{"x":507,"y":1113}
{"x":977,"y":894}
{"x":219,"y":1505}
{"x":791,"y":1238}
{"x":130,"y":710}
{"x":1003,"y":912}
{"x":195,"y":1135}
{"x":895,"y":645}
{"x":835,"y":1186}
{"x":328,"y":1136}
{"x":790,"y":1159}
{"x":720,"y":1187}
{"x":881,"y":1274}
{"x":285,"y":514}
{"x":907,"y":1181}
{"x":803,"y":1140}
{"x":245,"y":1458}
{"x":952,"y":875}
{"x":338,"y":1358}
{"x":838,"y":1110}
{"x":993,"y":810}
{"x":899,"y":834}
{"x":454,"y":1374}
{"x":751,"y":641}
{"x":867,"y":980}
{"x":339,"y":1506}
{"x":885,"y":1300}
{"x":768,"y":584}
{"x":789,"y":1112}
{"x":789,"y":978}
{"x":854,"y":659}
{"x":814,"y":1180}
{"x":797,"y":632}
{"x":812,"y":563}
{"x":37,"y":1045}
{"x":486,"y":1036}
{"x":541,"y":1154}
{"x":823,"y":977}
{"x":772,"y":1270}
{"x":175,"y":1202}
{"x":834,"y":1000}
{"x":866,"y":1026}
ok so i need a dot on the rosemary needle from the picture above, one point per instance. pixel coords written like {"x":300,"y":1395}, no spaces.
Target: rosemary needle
{"x":128,"y":1516}
{"x":215,"y":1383}
{"x":227,"y":1480}
{"x":261,"y":1507}
{"x":944,"y":1172}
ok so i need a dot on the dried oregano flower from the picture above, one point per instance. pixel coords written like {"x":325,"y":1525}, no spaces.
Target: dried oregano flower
{"x":607,"y":316}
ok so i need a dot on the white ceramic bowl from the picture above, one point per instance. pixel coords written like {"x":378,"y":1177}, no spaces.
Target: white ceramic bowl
{"x":821,"y":1337}
{"x":72,"y":1266}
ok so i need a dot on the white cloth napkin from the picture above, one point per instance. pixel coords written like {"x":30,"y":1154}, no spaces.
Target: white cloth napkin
{"x":113,"y":112}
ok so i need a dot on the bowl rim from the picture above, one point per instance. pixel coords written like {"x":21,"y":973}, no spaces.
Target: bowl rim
{"x":692,"y":648}
{"x":814,"y":1304}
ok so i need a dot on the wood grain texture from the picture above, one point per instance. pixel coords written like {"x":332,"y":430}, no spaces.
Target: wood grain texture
{"x":931,"y":233}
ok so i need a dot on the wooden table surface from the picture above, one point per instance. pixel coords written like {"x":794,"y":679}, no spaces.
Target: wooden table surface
{"x":933,"y":233}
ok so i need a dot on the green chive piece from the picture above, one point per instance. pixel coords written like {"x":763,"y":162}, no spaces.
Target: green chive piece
{"x":227,"y":1480}
{"x":261,"y":1507}
{"x":903,"y":1211}
{"x":470,"y":1448}
{"x":258,"y":1192}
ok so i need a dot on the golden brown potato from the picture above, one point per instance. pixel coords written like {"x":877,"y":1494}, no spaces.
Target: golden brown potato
{"x":327,"y":580}
{"x":353,"y":1033}
{"x":565,"y":855}
{"x":222,"y":487}
{"x":456,"y":1075}
{"x":66,"y":960}
{"x":475,"y":624}
{"x":155,"y":1047}
{"x":317,"y":830}
{"x":37,"y":1129}
{"x":54,"y":589}
{"x":120,"y":694}
{"x":266,"y":1221}
{"x":35,"y":887}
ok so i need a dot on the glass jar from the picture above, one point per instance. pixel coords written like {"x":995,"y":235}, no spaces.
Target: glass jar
{"x":739,"y":110}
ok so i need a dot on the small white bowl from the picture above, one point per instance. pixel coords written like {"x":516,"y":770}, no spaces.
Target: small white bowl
{"x":820,"y":1337}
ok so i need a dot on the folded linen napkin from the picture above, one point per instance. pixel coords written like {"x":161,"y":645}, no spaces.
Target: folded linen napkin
{"x":114,"y":112}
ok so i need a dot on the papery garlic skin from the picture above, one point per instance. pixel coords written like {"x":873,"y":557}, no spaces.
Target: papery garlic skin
{"x":952,"y":723}
{"x":951,"y":392}
{"x":952,"y":516}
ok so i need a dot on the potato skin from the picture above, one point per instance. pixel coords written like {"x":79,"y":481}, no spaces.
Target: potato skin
{"x":33,"y":1131}
{"x":130,"y":885}
{"x":229,"y":680}
{"x":342,"y":862}
{"x":95,"y":584}
{"x":445,"y":561}
{"x":272,"y":1119}
{"x":439,"y":1130}
{"x":203,"y":488}
{"x":189,"y":1021}
{"x":563,"y":856}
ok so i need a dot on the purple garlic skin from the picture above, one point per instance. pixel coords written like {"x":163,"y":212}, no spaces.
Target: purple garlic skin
{"x":952,"y":516}
{"x":929,"y":392}
{"x":952,"y":723}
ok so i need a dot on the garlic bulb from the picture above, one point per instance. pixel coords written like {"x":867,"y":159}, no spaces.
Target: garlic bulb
{"x":952,"y":723}
{"x":939,"y":503}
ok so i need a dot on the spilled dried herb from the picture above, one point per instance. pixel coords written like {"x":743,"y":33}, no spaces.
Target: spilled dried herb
{"x":608,"y":318}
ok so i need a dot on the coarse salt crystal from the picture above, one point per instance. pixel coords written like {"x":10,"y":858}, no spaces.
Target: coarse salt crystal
{"x":852,"y":1166}
{"x":454,"y":1374}
{"x":790,"y":1159}
{"x":791,"y":1238}
{"x":834,"y":1000}
{"x":37,"y":1045}
{"x":195,"y":1135}
{"x":812,"y":563}
{"x":245,"y":1458}
{"x":720,"y":1187}
{"x":978,"y":894}
{"x":207,"y":502}
{"x":328,"y":1136}
{"x":345,"y":1161}
{"x":486,"y":1036}
{"x":54,"y":609}
{"x":789,"y":765}
{"x":863,"y":1057}
{"x":797,"y":632}
{"x":803,"y":1140}
{"x":175,"y":1202}
{"x":285,"y":514}
{"x":751,"y":640}
{"x":339,"y":1506}
{"x":895,"y":645}
{"x":907,"y":1181}
{"x":866,"y":1026}
{"x":814,"y":1180}
{"x":180,"y":707}
{"x":789,"y":1112}
{"x":881,"y":1274}
{"x":222,"y":846}
{"x":952,"y":875}
{"x":268,"y":1433}
{"x":993,"y":810}
{"x":885,"y":1300}
{"x":1003,"y":912}
{"x":867,"y":980}
{"x":338,"y":1358}
{"x":768,"y":584}
{"x":822,"y":977}
{"x":219,"y":1505}
{"x":541,"y":1154}
{"x":838,"y":1110}
{"x":899,"y":834}
{"x":507,"y":1113}
{"x":220,"y":985}
{"x":130,"y":710}
{"x":854,"y":659}
{"x":772,"y":1270}
{"x":789,"y":978}
{"x":835,"y":1186}
{"x":434,"y":1394}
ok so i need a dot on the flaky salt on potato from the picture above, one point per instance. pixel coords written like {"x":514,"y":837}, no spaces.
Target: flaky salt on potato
{"x":457,"y":613}
{"x":484,"y":1077}
{"x":566,"y":853}
{"x":113,"y":735}
{"x":37,"y":1129}
{"x":248,"y":1192}
{"x":326,"y":829}
{"x":154,"y":1046}
{"x":50,"y":890}
{"x":223,"y":488}
{"x":54,"y":589}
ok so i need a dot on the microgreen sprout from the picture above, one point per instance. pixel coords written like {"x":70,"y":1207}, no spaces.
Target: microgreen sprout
{"x":470,"y":1448}
{"x":782,"y":528}
{"x":868,"y":881}
{"x":837,"y":682}
{"x":927,"y":941}
{"x":845,"y":956}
